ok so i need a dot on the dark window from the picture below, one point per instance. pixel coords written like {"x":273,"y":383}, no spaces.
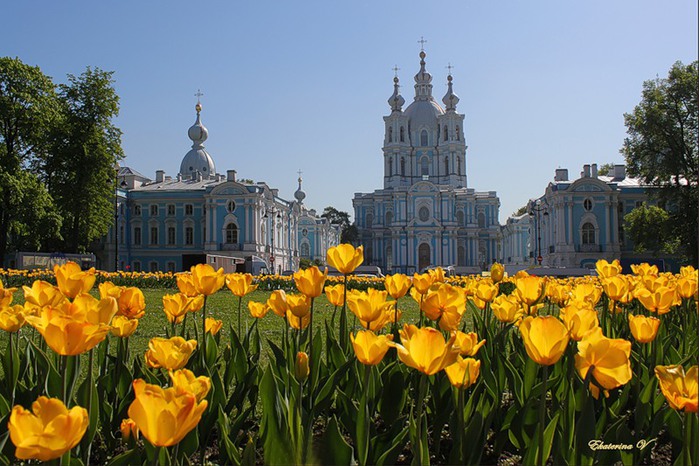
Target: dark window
{"x":588,"y":233}
{"x":153,"y":266}
{"x":402,"y":166}
{"x":402,"y":134}
{"x":188,"y":209}
{"x":137,"y":236}
{"x":231,"y":233}
{"x":189,"y":235}
{"x":423,"y":138}
{"x":424,"y":167}
{"x":154,"y":210}
{"x":153,"y":235}
{"x":446,"y":165}
{"x":390,"y":134}
{"x":136,"y":266}
{"x":170,"y":210}
{"x":170,"y":235}
{"x":137,"y":210}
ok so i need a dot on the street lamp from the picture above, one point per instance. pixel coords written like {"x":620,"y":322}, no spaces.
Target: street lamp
{"x":122,"y":185}
{"x":272,"y":211}
{"x":538,"y":208}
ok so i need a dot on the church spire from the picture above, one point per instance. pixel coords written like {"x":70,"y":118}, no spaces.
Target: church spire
{"x":450,"y":99}
{"x":396,"y":101}
{"x":423,"y":79}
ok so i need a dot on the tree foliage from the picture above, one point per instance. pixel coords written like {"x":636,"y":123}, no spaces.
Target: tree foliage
{"x":349,"y":232}
{"x":661,"y":148}
{"x":606,"y":169}
{"x":648,"y":228}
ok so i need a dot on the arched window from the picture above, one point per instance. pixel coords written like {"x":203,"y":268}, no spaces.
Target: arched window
{"x":390,"y":134}
{"x":588,"y":233}
{"x":424,"y":166}
{"x":402,"y":134}
{"x":369,"y":219}
{"x":481,"y":220}
{"x":402,"y":166}
{"x":446,"y":165}
{"x":446,"y":133}
{"x":460,"y":217}
{"x":423,"y":138}
{"x":458,"y":135}
{"x":305,"y":250}
{"x":458,"y":165}
{"x":231,"y":233}
{"x":461,"y":255}
{"x":390,"y":165}
{"x":389,"y":218}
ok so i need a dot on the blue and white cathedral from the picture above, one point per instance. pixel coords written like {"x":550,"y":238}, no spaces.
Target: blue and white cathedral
{"x":426,"y":215}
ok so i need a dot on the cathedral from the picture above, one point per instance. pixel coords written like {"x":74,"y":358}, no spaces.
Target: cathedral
{"x":199,"y":215}
{"x":426,"y":215}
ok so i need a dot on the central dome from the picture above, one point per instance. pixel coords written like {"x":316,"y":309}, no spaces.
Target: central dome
{"x":423,"y":112}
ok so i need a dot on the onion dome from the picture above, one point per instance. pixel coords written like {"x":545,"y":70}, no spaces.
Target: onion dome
{"x":424,"y":110}
{"x":450,"y":99}
{"x":299,"y":194}
{"x":197,"y":160}
{"x":396,"y":101}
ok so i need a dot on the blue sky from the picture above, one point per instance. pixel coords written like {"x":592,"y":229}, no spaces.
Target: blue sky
{"x":303,"y":85}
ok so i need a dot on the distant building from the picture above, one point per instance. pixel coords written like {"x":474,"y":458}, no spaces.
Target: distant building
{"x":425,"y":215}
{"x":171,"y":223}
{"x":576,"y":222}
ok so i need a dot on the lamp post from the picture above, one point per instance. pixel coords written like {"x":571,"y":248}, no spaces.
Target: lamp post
{"x":116,"y":215}
{"x":538,"y":208}
{"x":272,"y":211}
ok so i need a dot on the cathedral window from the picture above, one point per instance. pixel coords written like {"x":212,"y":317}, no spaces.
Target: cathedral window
{"x":458,"y":134}
{"x":188,"y":209}
{"x":423,"y":138}
{"x":153,"y":235}
{"x":587,"y":204}
{"x":170,"y":210}
{"x":390,"y":165}
{"x":446,"y":133}
{"x":588,"y":233}
{"x":446,"y":165}
{"x":481,"y":220}
{"x":137,"y":236}
{"x":137,"y":210}
{"x":461,"y":255}
{"x":402,"y":134}
{"x":189,"y":236}
{"x":305,"y":250}
{"x":389,"y":218}
{"x":390,"y":134}
{"x":170,"y":236}
{"x":460,"y":217}
{"x":369,"y":219}
{"x":402,"y":166}
{"x":231,"y":233}
{"x":231,"y":206}
{"x":458,"y":165}
{"x":424,"y":166}
{"x":154,"y":210}
{"x":423,"y":214}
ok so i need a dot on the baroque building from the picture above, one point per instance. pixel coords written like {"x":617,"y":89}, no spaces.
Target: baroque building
{"x":426,"y":215}
{"x":199,"y":215}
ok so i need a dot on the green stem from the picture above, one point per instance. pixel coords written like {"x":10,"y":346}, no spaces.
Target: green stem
{"x":460,"y":424}
{"x":90,"y":388}
{"x":240,"y":301}
{"x":203,"y":334}
{"x":184,"y":324}
{"x":12,"y":371}
{"x":64,"y":366}
{"x":310,"y":358}
{"x":364,"y":453}
{"x":418,"y":447}
{"x":343,"y":319}
{"x":687,"y":453}
{"x":542,"y":418}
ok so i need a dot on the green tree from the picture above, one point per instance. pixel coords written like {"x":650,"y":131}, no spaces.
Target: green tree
{"x":28,"y":111}
{"x":80,"y":170}
{"x":649,"y":229}
{"x":661,"y":149}
{"x":606,"y":169}
{"x":348,"y":232}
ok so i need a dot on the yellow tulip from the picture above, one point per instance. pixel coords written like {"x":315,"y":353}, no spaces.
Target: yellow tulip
{"x":506,"y":308}
{"x":132,"y":303}
{"x":437,"y":275}
{"x":170,"y":354}
{"x":386,"y":317}
{"x":579,"y":319}
{"x":644,"y":329}
{"x":48,"y":431}
{"x":298,"y":323}
{"x":422,"y":282}
{"x":128,"y":429}
{"x":277,"y":302}
{"x":123,"y":327}
{"x":397,"y":285}
{"x":185,"y":379}
{"x":72,"y":281}
{"x":299,"y":304}
{"x":43,"y":294}
{"x":6,"y":295}
{"x":11,"y":318}
{"x":559,"y":293}
{"x":301,"y":368}
{"x":606,"y":269}
{"x":608,"y":357}
{"x":468,"y":343}
{"x":618,"y":288}
{"x":688,"y":271}
{"x":484,"y":292}
{"x":369,"y":347}
{"x":240,"y":284}
{"x":109,"y":289}
{"x":335,"y":294}
{"x":206,"y":279}
{"x":258,"y":310}
{"x":212,"y":326}
{"x":586,"y":292}
{"x":424,"y":349}
{"x":310,"y":281}
{"x":644,"y":269}
{"x":545,"y":339}
{"x":367,"y":305}
{"x":529,"y":289}
{"x":464,"y":372}
{"x":74,"y":328}
{"x":185,"y":283}
{"x":497,"y":272}
{"x":679,"y":389}
{"x":164,"y":416}
{"x":658,"y":301}
{"x":686,"y":286}
{"x":446,"y":298}
{"x":345,"y":258}
{"x":176,"y":306}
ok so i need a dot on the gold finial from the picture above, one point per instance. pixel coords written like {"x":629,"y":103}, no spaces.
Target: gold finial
{"x":422,"y":42}
{"x":198,"y":96}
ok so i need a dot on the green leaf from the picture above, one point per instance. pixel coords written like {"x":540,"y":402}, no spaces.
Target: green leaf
{"x":128,"y":458}
{"x":393,"y":395}
{"x":274,"y":426}
{"x":334,"y":449}
{"x":249,"y":454}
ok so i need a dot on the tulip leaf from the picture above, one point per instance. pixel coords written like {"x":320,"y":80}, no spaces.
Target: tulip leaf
{"x":128,"y":458}
{"x":189,"y":444}
{"x":390,"y":450}
{"x":249,"y":454}
{"x":393,"y":395}
{"x":4,"y":407}
{"x":324,"y":396}
{"x":334,"y":449}
{"x":274,"y":426}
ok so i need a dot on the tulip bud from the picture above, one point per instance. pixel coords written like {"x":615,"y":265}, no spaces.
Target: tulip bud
{"x":301,"y":369}
{"x":497,"y":271}
{"x":128,"y":429}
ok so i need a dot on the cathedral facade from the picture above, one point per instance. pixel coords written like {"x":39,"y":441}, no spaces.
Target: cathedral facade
{"x":199,"y":215}
{"x":426,"y":215}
